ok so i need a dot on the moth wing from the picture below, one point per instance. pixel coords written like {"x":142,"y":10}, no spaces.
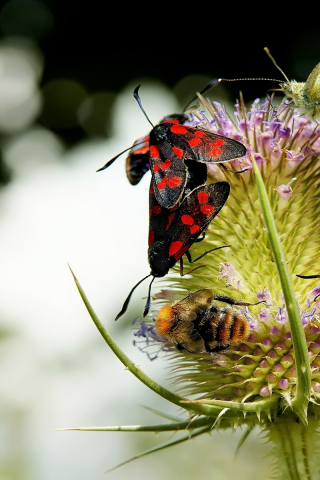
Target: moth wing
{"x":169,"y":174}
{"x":194,"y":215}
{"x":137,"y":161}
{"x":205,"y":146}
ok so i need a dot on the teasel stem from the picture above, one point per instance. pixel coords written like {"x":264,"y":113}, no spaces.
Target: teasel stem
{"x":301,"y":399}
{"x":210,"y":411}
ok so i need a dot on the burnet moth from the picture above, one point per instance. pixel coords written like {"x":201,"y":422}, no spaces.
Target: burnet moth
{"x":170,"y":145}
{"x":137,"y":161}
{"x":173,"y":231}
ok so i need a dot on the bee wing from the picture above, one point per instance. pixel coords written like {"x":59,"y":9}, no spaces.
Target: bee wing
{"x":187,"y":336}
{"x":197,"y":302}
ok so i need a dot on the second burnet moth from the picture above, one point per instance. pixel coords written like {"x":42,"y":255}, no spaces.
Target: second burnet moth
{"x":170,"y":145}
{"x":137,"y":161}
{"x":173,"y":231}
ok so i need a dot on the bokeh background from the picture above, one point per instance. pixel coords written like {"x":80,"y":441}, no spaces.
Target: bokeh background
{"x":67,"y":72}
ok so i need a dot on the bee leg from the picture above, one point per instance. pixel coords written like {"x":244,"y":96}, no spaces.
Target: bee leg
{"x":233,"y":301}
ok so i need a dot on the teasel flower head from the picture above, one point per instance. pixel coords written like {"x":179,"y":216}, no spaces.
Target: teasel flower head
{"x":270,"y":222}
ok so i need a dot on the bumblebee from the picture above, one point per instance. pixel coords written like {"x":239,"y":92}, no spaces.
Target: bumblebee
{"x":197,"y":324}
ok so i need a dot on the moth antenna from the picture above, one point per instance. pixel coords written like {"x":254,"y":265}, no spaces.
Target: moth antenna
{"x":127,"y":300}
{"x":308,"y":276}
{"x":110,"y":162}
{"x":136,"y":96}
{"x":148,"y":302}
{"x":215,"y":81}
{"x":266,"y":49}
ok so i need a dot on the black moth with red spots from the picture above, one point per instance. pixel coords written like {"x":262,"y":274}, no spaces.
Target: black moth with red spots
{"x":173,"y":231}
{"x":137,"y":161}
{"x":170,"y":147}
{"x":171,"y":144}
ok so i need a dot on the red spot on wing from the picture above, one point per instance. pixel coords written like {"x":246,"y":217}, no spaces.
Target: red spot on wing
{"x":170,"y":220}
{"x":156,"y":168}
{"x":200,"y":134}
{"x":194,"y":229}
{"x":161,"y":185}
{"x":172,"y":209}
{"x":165,"y":165}
{"x":203,"y":197}
{"x":215,"y":152}
{"x":152,"y":190}
{"x":178,"y":129}
{"x":187,"y":220}
{"x":179,"y":254}
{"x":178,"y":151}
{"x":150,"y":212}
{"x":154,"y":151}
{"x":206,"y":209}
{"x":151,"y":238}
{"x":174,"y":182}
{"x":171,"y":121}
{"x":174,"y":247}
{"x":194,"y":142}
{"x":156,"y":209}
{"x":218,"y":143}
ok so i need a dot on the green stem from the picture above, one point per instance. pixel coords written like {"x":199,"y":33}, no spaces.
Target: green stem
{"x":257,"y":406}
{"x":155,"y":387}
{"x":295,"y":447}
{"x":300,"y":402}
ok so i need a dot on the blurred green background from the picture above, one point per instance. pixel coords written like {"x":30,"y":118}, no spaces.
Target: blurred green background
{"x":67,"y":72}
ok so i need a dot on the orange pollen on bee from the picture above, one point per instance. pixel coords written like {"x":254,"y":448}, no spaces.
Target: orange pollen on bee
{"x":165,"y":320}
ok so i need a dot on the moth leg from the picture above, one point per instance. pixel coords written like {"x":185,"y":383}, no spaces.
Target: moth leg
{"x":205,"y":253}
{"x":232,"y":301}
{"x":201,"y":238}
{"x":189,"y":271}
{"x":232,"y":171}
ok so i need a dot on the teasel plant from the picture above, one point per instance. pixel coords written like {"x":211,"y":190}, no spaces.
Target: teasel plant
{"x":271,"y":380}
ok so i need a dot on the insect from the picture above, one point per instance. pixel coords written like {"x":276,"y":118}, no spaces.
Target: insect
{"x":137,"y":161}
{"x":309,"y":277}
{"x":173,"y":231}
{"x":305,"y":95}
{"x":171,"y":145}
{"x":197,"y":324}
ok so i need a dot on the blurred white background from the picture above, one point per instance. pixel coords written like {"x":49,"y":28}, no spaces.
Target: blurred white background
{"x":56,"y":371}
